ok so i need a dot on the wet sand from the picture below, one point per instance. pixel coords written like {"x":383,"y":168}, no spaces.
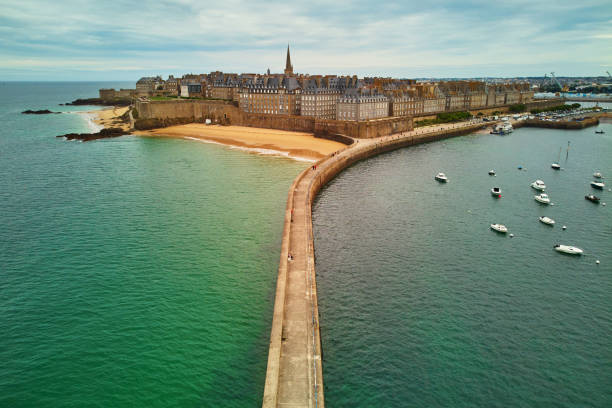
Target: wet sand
{"x":294,"y":144}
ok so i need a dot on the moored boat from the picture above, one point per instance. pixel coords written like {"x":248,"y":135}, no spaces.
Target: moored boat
{"x":547,"y":221}
{"x":568,"y":249}
{"x":502,"y":129}
{"x":599,"y":132}
{"x":556,"y":165}
{"x":499,"y":228}
{"x":491,"y":172}
{"x":441,"y":177}
{"x":598,"y":185}
{"x":538,"y":185}
{"x":542,"y":198}
{"x":592,"y":198}
{"x":496,"y":192}
{"x":597,"y":175}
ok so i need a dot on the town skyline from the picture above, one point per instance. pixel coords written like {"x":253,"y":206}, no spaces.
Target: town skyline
{"x":411,"y":40}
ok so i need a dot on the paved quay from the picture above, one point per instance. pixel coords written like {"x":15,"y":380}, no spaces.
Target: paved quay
{"x":294,"y":376}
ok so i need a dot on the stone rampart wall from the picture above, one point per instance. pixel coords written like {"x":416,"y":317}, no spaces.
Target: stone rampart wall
{"x":196,"y":109}
{"x":502,"y":108}
{"x":227,"y":113}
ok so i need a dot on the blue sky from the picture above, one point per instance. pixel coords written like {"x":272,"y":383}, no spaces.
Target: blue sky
{"x":124,"y":40}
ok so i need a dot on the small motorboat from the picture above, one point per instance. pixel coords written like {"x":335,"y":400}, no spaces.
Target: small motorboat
{"x":542,"y":198}
{"x":592,"y":198}
{"x":597,"y":175}
{"x":599,"y":132}
{"x":556,"y":165}
{"x":538,"y":185}
{"x":502,"y":129}
{"x":491,"y":172}
{"x":598,"y":185}
{"x":441,"y":177}
{"x":547,"y":221}
{"x":496,"y":192}
{"x":567,"y":249}
{"x":499,"y":228}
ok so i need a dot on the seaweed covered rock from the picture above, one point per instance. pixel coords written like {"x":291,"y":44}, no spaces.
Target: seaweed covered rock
{"x":103,"y":134}
{"x":38,"y":112}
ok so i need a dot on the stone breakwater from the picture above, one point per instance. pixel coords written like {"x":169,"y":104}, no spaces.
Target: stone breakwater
{"x":565,"y":124}
{"x":294,"y":375}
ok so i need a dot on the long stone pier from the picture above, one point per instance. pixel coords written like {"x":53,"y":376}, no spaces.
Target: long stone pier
{"x":294,"y":377}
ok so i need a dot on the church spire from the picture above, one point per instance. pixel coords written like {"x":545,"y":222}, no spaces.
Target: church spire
{"x":288,"y":66}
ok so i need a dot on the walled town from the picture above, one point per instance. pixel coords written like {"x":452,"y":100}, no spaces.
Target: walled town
{"x":358,"y":107}
{"x":330,"y":96}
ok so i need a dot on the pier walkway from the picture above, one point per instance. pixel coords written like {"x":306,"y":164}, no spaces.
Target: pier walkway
{"x":294,"y":376}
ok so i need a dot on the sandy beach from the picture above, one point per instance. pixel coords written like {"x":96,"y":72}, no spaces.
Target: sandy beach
{"x":295,"y":144}
{"x":110,"y":117}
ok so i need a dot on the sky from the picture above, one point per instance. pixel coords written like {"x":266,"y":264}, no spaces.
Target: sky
{"x":125,"y":40}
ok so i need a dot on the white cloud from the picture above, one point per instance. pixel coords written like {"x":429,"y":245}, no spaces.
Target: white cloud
{"x":343,"y":36}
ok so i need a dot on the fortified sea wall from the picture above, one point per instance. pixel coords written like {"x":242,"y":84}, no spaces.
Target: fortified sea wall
{"x":294,"y":374}
{"x":155,"y":114}
{"x":543,"y":104}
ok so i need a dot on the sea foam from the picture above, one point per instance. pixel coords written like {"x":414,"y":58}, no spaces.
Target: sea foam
{"x":256,"y":150}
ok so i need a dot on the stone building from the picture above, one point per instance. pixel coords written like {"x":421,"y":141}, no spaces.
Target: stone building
{"x":362,"y":105}
{"x":319,"y":103}
{"x":405,"y":104}
{"x":271,"y":96}
{"x":223,"y":86}
{"x":171,"y":85}
{"x":146,"y":85}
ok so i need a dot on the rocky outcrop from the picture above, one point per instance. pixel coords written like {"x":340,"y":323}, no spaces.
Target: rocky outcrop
{"x":38,"y":112}
{"x":103,"y":134}
{"x":101,"y":102}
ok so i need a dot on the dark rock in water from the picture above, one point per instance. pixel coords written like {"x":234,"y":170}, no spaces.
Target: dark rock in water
{"x":103,"y":102}
{"x":104,"y":133}
{"x":38,"y":112}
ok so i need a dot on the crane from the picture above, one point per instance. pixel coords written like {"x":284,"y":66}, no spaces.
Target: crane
{"x":563,"y":88}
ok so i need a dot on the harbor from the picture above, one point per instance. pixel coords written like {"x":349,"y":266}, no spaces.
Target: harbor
{"x":294,"y":375}
{"x":420,"y":300}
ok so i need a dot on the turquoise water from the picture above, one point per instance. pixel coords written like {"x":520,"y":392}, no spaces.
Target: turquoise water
{"x":133,"y":271}
{"x":422,"y":305}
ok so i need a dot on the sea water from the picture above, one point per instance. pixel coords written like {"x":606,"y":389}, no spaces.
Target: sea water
{"x":134,"y":271}
{"x":423,"y":305}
